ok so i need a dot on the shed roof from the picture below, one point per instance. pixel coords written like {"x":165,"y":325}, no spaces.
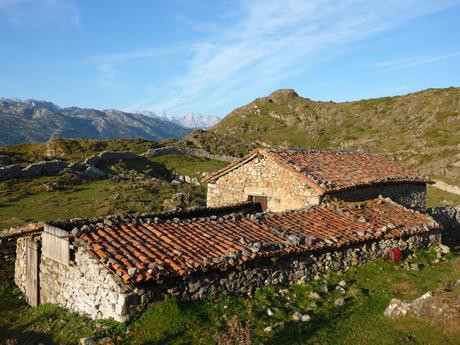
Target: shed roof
{"x":142,"y":250}
{"x":331,"y":170}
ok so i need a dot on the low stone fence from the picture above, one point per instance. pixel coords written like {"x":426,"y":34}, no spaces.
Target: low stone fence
{"x":111,"y":156}
{"x":183,"y":151}
{"x":33,"y":170}
{"x":449,"y":217}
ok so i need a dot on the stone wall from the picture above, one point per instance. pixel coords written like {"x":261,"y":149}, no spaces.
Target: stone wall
{"x":88,"y":288}
{"x":246,"y":279}
{"x":85,"y":286}
{"x":184,"y":151}
{"x":407,"y":194}
{"x":7,"y":259}
{"x":33,"y":170}
{"x":261,"y":176}
{"x":110,"y":156}
{"x":449,"y":217}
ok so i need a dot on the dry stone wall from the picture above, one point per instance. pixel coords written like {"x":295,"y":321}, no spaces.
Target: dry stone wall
{"x":33,"y":170}
{"x":407,"y":194}
{"x":85,"y":286}
{"x":449,"y":217}
{"x":184,"y":151}
{"x":245,"y":280}
{"x":88,"y":288}
{"x":263,"y":177}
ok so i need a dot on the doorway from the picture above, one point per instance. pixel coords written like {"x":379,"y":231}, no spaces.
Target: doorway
{"x":259,"y":199}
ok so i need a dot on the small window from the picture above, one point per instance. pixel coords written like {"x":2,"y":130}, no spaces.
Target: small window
{"x":259,"y":199}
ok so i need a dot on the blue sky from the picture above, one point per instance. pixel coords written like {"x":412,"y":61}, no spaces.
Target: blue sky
{"x":211,"y":56}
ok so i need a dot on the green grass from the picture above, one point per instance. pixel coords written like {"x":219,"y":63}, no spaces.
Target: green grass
{"x":24,"y":201}
{"x":189,"y":165}
{"x":359,"y":321}
{"x":74,"y":149}
{"x":436,"y":198}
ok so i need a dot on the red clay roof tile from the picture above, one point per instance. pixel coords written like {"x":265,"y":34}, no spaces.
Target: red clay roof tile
{"x":168,"y":248}
{"x":330,"y":171}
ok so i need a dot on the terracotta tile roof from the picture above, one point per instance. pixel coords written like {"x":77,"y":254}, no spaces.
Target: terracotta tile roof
{"x":331,"y":171}
{"x":141,"y":250}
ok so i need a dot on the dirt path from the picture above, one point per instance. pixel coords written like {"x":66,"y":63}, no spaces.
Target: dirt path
{"x":447,"y":187}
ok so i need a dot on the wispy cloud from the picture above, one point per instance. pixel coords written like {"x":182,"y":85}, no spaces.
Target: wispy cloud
{"x":40,"y":12}
{"x":273,"y":40}
{"x":389,"y":66}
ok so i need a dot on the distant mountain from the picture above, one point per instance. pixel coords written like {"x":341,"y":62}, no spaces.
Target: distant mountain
{"x":195,"y":121}
{"x":38,"y":121}
{"x":421,"y":129}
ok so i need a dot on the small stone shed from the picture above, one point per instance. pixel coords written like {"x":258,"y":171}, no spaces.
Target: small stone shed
{"x":114,"y":267}
{"x":289,"y":179}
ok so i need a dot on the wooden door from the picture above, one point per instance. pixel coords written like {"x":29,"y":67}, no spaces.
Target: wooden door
{"x":32,"y":273}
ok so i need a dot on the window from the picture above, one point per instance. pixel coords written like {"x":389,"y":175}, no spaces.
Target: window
{"x":259,"y":199}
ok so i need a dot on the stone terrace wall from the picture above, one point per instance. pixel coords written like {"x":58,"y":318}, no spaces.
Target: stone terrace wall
{"x":262,"y":176}
{"x":407,"y":194}
{"x":184,"y":151}
{"x":7,"y":259}
{"x":33,"y":170}
{"x":246,"y":279}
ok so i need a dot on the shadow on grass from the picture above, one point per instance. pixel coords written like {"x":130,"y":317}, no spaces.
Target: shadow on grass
{"x":295,"y":332}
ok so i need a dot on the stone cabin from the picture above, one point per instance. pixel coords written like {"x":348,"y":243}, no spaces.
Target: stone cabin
{"x":114,"y":267}
{"x":288,"y":179}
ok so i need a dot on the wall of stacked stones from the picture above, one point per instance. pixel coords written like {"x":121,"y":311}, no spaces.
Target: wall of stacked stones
{"x":449,"y":217}
{"x":182,"y":151}
{"x":407,"y":194}
{"x":33,"y":170}
{"x":262,"y":176}
{"x":7,"y":259}
{"x":86,"y":286}
{"x":246,"y":279}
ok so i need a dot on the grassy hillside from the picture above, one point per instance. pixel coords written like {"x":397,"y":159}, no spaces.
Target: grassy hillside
{"x":358,"y":321}
{"x":422,"y":129}
{"x":144,"y":187}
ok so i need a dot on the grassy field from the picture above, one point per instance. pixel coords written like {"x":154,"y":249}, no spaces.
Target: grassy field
{"x":63,"y":197}
{"x":359,"y":321}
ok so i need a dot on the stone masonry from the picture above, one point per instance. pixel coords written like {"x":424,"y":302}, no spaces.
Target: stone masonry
{"x":88,"y":288}
{"x":410,"y":195}
{"x":262,"y":177}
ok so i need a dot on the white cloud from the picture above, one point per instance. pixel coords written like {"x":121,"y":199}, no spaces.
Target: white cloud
{"x":273,"y":40}
{"x":40,"y":12}
{"x":398,"y":65}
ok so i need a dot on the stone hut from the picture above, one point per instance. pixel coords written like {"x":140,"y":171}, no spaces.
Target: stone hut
{"x":114,"y":267}
{"x":289,"y":179}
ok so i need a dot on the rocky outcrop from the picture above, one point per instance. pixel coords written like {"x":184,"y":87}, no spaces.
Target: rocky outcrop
{"x":43,"y":168}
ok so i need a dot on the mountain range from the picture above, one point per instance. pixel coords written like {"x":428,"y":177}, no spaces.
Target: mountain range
{"x":37,"y":121}
{"x":187,"y":120}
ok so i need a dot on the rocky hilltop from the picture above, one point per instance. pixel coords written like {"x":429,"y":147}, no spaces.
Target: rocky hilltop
{"x":39,"y":121}
{"x":422,"y":129}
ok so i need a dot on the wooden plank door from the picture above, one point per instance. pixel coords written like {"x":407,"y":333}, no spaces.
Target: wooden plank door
{"x":32,"y":273}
